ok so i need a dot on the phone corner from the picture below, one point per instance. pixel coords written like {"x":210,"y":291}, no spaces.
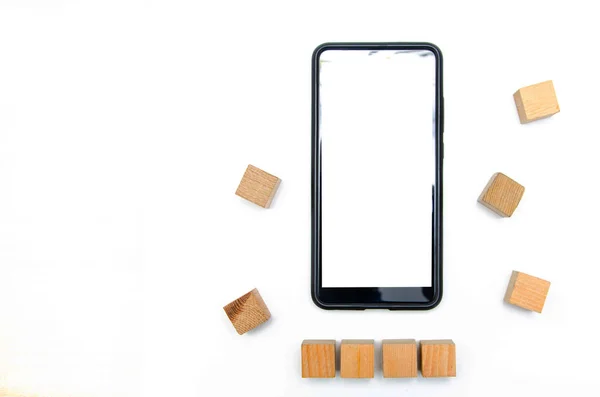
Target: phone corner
{"x":434,"y":49}
{"x":314,"y":294}
{"x":435,"y":301}
{"x":319,"y":50}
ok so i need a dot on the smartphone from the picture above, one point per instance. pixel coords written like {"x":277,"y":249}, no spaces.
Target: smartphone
{"x":377,"y":176}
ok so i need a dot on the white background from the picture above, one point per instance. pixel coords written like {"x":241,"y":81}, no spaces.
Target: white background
{"x":376,"y":209}
{"x":125,"y":127}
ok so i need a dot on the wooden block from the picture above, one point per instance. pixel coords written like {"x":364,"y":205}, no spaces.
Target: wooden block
{"x":536,"y":102}
{"x":527,"y":291}
{"x":318,"y":359}
{"x":247,"y":312}
{"x":399,"y":358}
{"x":258,"y":186}
{"x":357,"y":358}
{"x":502,"y":195}
{"x":438,"y":358}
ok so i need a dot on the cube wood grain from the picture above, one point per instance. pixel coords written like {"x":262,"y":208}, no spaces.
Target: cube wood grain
{"x":258,"y":186}
{"x":527,"y":291}
{"x":438,"y":358}
{"x":318,"y":359}
{"x":399,"y":358}
{"x":536,"y":102}
{"x":357,"y":358}
{"x":247,"y":312}
{"x":502,"y":195}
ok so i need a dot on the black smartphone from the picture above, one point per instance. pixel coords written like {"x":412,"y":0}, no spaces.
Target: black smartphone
{"x":377,"y":171}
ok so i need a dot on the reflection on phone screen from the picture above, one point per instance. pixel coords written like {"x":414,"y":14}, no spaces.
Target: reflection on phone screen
{"x":377,"y":123}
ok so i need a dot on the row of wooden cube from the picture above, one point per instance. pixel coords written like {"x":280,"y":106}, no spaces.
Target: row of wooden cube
{"x":399,"y":358}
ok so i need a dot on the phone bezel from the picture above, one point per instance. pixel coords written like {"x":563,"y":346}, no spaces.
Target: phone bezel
{"x":392,"y":298}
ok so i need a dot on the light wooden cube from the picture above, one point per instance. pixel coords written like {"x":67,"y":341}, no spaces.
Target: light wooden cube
{"x":527,"y":291}
{"x":258,"y":186}
{"x":318,"y":359}
{"x":399,"y":358}
{"x":438,"y":358}
{"x":502,"y":195}
{"x":247,"y":312}
{"x":536,"y":102}
{"x":357,"y":358}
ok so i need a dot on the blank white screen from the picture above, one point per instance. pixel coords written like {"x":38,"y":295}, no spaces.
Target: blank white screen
{"x":377,"y":167}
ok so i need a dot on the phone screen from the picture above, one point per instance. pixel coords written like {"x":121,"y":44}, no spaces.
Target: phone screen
{"x":377,"y":126}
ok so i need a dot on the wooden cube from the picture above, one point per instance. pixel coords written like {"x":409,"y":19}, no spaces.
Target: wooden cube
{"x":502,"y":195}
{"x":536,"y":102}
{"x":399,"y":358}
{"x":318,"y":359}
{"x":247,"y":312}
{"x":357,"y":358}
{"x":258,"y":186}
{"x":438,"y":358}
{"x":527,"y":291}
